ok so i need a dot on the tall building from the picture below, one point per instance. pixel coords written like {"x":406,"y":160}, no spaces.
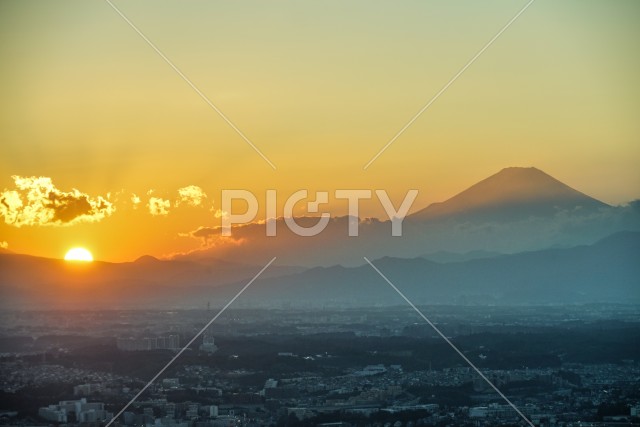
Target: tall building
{"x":208,"y":343}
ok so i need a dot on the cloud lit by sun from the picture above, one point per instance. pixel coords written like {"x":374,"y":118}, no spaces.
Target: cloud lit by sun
{"x":36,"y":201}
{"x":78,"y":254}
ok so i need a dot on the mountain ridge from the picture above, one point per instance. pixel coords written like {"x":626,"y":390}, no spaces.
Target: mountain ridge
{"x":513,"y":210}
{"x":605,"y":271}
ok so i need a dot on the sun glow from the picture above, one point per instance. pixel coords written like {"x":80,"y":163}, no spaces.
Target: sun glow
{"x":78,"y":254}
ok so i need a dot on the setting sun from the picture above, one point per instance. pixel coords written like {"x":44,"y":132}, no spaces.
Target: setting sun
{"x":78,"y":254}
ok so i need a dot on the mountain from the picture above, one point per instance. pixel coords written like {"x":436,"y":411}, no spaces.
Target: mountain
{"x":517,"y":211}
{"x":607,"y":271}
{"x":446,"y":256}
{"x":511,"y":193}
{"x":514,"y":210}
{"x":28,"y":281}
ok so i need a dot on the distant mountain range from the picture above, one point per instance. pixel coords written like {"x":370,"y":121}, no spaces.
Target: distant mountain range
{"x":27,"y":281}
{"x":607,"y":271}
{"x":517,"y":237}
{"x":515,"y":210}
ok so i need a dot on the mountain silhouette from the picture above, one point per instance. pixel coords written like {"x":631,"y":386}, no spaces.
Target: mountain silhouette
{"x":605,"y":272}
{"x":28,"y":281}
{"x":517,"y":209}
{"x":512,"y":192}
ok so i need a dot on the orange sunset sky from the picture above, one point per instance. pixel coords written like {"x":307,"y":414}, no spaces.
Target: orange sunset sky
{"x":94,"y":121}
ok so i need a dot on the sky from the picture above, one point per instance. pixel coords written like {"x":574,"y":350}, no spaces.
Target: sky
{"x":93,"y":120}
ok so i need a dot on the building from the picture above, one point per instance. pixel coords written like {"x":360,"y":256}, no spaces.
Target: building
{"x":53,"y":413}
{"x":371,"y":370}
{"x":86,"y":389}
{"x":171,"y":342}
{"x":271,"y":383}
{"x":208,"y":343}
{"x":83,"y":411}
{"x":213,"y":411}
{"x":172,"y":383}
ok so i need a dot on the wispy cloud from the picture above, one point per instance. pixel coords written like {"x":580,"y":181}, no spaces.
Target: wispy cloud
{"x":37,"y":201}
{"x":219,"y":213}
{"x":205,"y":234}
{"x":135,"y":200}
{"x":191,"y":195}
{"x":4,"y":245}
{"x":212,"y":237}
{"x":158,"y":206}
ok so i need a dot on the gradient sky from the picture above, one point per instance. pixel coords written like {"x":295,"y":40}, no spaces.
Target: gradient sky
{"x":320,"y":88}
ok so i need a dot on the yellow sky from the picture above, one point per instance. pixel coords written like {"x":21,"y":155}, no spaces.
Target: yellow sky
{"x":320,"y":88}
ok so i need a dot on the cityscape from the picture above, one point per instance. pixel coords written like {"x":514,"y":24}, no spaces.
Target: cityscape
{"x":561,"y":366}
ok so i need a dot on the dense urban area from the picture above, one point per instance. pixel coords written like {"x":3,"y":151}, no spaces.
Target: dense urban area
{"x":560,"y":366}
